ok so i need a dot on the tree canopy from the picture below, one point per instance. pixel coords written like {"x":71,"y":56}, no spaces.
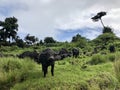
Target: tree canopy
{"x":9,"y":29}
{"x":107,"y":30}
{"x":99,"y":17}
{"x":49,"y":40}
{"x":30,"y":39}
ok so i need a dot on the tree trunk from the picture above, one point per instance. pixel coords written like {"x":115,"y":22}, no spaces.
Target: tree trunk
{"x":102,"y":23}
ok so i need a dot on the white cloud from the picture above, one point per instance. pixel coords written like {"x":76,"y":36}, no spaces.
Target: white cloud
{"x":43,"y":17}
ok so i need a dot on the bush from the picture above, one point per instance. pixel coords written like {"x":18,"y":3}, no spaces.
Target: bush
{"x":111,"y":57}
{"x":14,"y":70}
{"x":97,"y":59}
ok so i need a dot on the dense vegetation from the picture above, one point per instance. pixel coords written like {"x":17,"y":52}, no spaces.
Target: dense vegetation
{"x":96,"y":68}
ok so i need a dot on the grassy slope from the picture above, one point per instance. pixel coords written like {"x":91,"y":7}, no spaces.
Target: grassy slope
{"x":69,"y":74}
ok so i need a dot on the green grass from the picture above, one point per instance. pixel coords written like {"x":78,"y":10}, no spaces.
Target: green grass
{"x":14,"y":70}
{"x":70,"y":74}
{"x":117,"y":69}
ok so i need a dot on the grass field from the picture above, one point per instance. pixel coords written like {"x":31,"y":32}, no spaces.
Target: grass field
{"x":70,"y":74}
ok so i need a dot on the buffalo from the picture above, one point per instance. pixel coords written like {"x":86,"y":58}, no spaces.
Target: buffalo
{"x":64,"y":53}
{"x":75,"y":52}
{"x":47,"y":58}
{"x":31,"y":54}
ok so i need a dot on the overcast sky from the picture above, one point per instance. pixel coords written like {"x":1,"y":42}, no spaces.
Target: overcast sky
{"x":61,"y":19}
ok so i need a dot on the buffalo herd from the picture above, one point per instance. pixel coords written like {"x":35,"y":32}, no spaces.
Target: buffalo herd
{"x":48,"y":57}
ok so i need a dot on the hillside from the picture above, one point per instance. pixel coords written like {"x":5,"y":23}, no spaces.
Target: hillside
{"x":95,"y":72}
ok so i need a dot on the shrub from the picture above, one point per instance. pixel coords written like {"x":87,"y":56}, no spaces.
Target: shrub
{"x":97,"y":59}
{"x":14,"y":70}
{"x":111,"y":57}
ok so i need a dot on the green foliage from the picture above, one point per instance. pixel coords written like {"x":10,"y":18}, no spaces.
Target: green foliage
{"x":8,"y":48}
{"x":79,"y":41}
{"x":41,"y":42}
{"x":97,"y":59}
{"x":76,"y":38}
{"x":99,"y":17}
{"x":111,"y":57}
{"x":9,"y":29}
{"x":13,"y":70}
{"x":103,"y":81}
{"x":117,"y":69}
{"x":105,"y":40}
{"x":54,"y":44}
{"x":30,"y":40}
{"x":107,"y":30}
{"x":20,"y":43}
{"x":49,"y":40}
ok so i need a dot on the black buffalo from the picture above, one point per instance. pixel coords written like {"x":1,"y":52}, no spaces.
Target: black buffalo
{"x":75,"y":52}
{"x":64,"y":53}
{"x":47,"y":58}
{"x":31,"y":54}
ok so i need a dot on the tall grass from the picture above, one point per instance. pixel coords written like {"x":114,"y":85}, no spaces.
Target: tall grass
{"x":72,"y":77}
{"x":117,"y":69}
{"x":98,"y":59}
{"x":14,"y":70}
{"x":25,"y":74}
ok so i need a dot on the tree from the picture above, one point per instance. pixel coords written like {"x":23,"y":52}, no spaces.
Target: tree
{"x":30,"y":39}
{"x":107,"y":30}
{"x":41,"y":42}
{"x":19,"y":42}
{"x":49,"y":40}
{"x":99,"y":17}
{"x":9,"y":29}
{"x":77,"y":38}
{"x":79,"y":41}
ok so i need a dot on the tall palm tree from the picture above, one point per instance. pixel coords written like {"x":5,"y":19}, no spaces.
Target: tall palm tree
{"x":99,"y":17}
